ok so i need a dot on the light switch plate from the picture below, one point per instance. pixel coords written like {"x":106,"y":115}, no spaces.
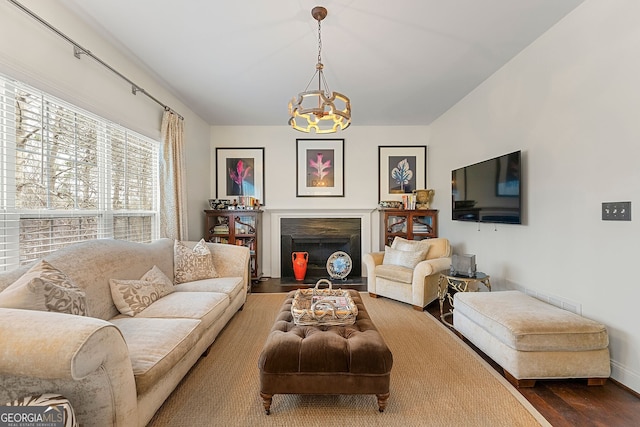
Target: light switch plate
{"x":616,"y":211}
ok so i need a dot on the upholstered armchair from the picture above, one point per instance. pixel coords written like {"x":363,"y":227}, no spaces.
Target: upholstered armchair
{"x":408,"y":270}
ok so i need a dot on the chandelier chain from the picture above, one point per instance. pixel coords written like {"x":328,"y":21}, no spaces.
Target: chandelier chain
{"x":319,"y":43}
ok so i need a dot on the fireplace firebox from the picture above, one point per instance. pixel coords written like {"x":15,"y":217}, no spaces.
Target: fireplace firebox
{"x":320,"y":237}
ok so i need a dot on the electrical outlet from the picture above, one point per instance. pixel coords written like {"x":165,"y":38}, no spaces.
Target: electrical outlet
{"x":616,"y":211}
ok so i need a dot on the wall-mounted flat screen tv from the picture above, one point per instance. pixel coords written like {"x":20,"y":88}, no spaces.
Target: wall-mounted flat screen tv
{"x":489,"y":191}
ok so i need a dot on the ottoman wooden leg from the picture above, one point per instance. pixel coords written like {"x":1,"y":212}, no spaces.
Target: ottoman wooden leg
{"x":266,"y":402}
{"x":382,"y":401}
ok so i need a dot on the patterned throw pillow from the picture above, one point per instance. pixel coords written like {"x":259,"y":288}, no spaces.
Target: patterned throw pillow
{"x":155,"y":275}
{"x":407,"y":259}
{"x":192,"y":264}
{"x":45,"y":288}
{"x":133,"y":296}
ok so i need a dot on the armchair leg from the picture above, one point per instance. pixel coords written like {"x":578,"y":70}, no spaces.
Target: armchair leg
{"x":417,"y":307}
{"x":373,"y":295}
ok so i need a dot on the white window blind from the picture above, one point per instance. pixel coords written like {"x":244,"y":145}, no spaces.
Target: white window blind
{"x":68,"y":175}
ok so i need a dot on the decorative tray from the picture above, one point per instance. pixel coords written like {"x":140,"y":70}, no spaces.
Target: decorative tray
{"x":315,"y":306}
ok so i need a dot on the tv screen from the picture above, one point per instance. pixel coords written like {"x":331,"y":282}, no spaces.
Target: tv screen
{"x":488,"y":191}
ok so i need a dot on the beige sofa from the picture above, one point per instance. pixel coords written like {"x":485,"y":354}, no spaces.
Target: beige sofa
{"x":117,"y":370}
{"x":417,"y":286}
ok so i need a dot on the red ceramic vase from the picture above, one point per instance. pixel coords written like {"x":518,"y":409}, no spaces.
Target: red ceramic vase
{"x":299,"y":260}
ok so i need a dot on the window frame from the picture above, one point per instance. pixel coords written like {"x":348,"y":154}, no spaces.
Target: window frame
{"x":13,"y":218}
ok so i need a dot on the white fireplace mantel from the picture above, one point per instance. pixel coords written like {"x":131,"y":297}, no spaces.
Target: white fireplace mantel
{"x":278,"y":214}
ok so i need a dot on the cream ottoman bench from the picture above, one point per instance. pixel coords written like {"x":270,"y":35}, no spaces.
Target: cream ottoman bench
{"x":531,"y":339}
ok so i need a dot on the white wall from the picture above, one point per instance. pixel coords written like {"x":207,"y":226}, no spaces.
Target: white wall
{"x":34,"y":54}
{"x":570,"y":101}
{"x":360,"y":159}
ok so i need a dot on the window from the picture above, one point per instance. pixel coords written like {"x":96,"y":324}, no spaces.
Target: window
{"x":67,"y":175}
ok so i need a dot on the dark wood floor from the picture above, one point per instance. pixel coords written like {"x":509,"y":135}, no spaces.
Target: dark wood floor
{"x":564,"y":403}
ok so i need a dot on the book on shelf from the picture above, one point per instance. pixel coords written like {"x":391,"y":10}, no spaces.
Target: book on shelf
{"x":221,"y":229}
{"x":219,"y":240}
{"x":409,"y":201}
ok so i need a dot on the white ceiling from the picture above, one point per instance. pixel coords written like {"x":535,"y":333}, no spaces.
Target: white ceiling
{"x":402,"y":62}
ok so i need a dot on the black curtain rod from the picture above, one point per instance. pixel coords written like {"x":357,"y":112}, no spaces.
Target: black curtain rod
{"x":79,"y":50}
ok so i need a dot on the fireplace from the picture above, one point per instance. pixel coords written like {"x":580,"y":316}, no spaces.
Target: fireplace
{"x":320,"y":237}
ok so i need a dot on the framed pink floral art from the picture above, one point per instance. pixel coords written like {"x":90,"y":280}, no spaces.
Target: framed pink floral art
{"x":239,"y":173}
{"x":320,"y":167}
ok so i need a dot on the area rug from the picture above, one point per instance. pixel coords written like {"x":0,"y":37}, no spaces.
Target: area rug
{"x":436,"y":380}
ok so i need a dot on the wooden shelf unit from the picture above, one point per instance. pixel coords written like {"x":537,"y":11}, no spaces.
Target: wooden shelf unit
{"x":411,"y":224}
{"x":237,"y":227}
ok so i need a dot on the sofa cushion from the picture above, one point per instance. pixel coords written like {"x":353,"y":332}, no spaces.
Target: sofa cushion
{"x":45,"y":288}
{"x":206,"y":306}
{"x":155,"y":346}
{"x":133,"y":296}
{"x":397,"y":273}
{"x":227,"y":285}
{"x":408,"y":259}
{"x":527,"y":324}
{"x":192,"y":264}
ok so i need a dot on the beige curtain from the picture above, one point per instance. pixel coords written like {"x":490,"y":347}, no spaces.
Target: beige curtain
{"x":173,"y":214}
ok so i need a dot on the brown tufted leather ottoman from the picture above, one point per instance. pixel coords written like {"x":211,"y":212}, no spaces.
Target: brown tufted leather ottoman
{"x":350,"y":359}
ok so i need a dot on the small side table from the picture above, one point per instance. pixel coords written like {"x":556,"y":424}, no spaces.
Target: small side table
{"x":458,"y":283}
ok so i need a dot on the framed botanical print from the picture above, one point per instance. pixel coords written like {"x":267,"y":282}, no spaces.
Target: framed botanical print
{"x":319,"y":167}
{"x":240,"y":172}
{"x":401,"y":170}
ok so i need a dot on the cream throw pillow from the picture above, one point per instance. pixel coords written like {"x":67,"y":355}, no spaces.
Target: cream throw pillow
{"x":155,"y":275}
{"x":407,"y":259}
{"x":45,"y":288}
{"x":411,"y":245}
{"x":133,"y":296}
{"x":192,"y":264}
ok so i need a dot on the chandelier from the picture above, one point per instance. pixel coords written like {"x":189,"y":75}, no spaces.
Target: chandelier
{"x":321,"y":110}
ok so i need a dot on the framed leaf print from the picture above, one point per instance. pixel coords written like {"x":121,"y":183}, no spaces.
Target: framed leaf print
{"x":401,"y":170}
{"x":319,"y":167}
{"x":240,"y":172}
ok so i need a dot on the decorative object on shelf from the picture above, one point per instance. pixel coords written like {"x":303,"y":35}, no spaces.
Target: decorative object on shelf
{"x":219,"y":203}
{"x":401,"y":170}
{"x":339,"y":265}
{"x":321,"y":110}
{"x":390,"y":204}
{"x":240,"y":173}
{"x":424,"y":198}
{"x":299,"y":261}
{"x":320,"y":168}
